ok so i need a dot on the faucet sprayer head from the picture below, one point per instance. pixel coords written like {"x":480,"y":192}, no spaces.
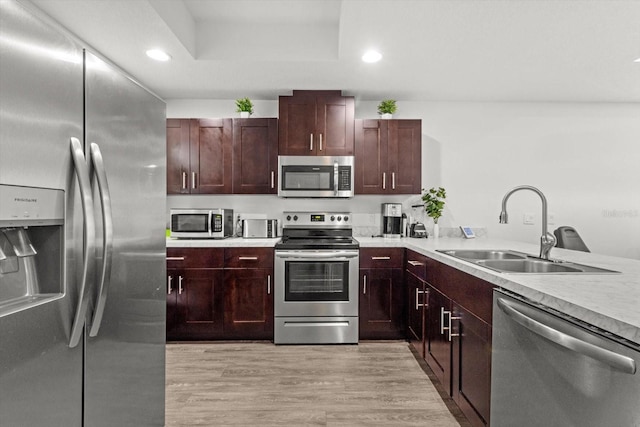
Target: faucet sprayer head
{"x":504,"y":218}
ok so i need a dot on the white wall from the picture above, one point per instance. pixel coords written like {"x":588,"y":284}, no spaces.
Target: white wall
{"x":584,"y":157}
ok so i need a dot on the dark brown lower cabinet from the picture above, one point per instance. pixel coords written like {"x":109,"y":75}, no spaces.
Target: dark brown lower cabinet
{"x":437,"y":345}
{"x":248,"y":304}
{"x":458,"y":338}
{"x":194,"y":304}
{"x":381,"y":303}
{"x":417,"y":300}
{"x":471,"y":373}
{"x":381,"y":295}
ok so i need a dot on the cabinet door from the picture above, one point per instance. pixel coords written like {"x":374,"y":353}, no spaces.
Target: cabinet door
{"x":178,"y":168}
{"x":248,"y":304}
{"x":200,"y":304}
{"x":437,"y":343}
{"x":211,"y":156}
{"x":371,"y":156}
{"x":471,"y":373}
{"x":297,"y":126}
{"x":172,"y":301}
{"x":255,"y":156}
{"x":381,"y":303}
{"x":334,"y":134}
{"x":417,"y":299}
{"x":404,"y":153}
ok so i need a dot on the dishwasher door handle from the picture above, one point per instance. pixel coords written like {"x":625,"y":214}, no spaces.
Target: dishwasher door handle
{"x":616,"y":361}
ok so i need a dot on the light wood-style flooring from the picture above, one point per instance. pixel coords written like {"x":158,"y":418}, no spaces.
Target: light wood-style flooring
{"x":261,"y":384}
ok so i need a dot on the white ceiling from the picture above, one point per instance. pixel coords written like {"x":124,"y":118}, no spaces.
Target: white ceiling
{"x":434,"y":50}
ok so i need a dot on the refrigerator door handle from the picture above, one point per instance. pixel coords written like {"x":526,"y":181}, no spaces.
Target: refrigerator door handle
{"x":107,"y":238}
{"x":84,"y":184}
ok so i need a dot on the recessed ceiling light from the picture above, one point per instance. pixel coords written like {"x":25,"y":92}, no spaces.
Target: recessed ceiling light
{"x":158,"y":55}
{"x":372,"y":56}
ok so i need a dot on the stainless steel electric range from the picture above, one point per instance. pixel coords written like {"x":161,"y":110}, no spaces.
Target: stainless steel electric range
{"x":316,"y":280}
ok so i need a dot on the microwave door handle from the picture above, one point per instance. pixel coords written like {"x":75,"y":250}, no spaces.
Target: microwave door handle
{"x":86,"y":198}
{"x":107,"y":239}
{"x":335,"y":178}
{"x":209,"y":222}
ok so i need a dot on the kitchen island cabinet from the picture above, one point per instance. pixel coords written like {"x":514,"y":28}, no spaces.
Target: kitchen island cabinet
{"x":316,"y":123}
{"x":388,"y":156}
{"x":381,"y":300}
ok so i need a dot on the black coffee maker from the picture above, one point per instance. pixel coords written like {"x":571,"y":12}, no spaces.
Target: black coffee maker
{"x":392,"y":220}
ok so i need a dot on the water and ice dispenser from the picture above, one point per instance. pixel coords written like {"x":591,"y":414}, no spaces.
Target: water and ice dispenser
{"x":31,"y":246}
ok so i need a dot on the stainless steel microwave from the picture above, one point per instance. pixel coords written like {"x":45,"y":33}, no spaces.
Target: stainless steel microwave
{"x":315,"y":176}
{"x":201,"y":223}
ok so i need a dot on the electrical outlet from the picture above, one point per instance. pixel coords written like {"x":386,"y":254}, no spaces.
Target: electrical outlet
{"x":528,"y":219}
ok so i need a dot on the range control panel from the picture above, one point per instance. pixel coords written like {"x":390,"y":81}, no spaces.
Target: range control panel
{"x":317,"y":219}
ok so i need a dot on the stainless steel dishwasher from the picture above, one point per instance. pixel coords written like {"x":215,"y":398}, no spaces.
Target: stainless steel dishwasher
{"x":550,"y":370}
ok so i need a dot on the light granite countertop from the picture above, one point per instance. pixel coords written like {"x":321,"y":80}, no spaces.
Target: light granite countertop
{"x":608,"y":301}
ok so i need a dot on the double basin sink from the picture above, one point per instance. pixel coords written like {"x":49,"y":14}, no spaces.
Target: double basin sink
{"x":508,"y":261}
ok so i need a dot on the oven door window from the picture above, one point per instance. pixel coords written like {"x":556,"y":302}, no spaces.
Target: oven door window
{"x":307,"y":178}
{"x":317,"y":281}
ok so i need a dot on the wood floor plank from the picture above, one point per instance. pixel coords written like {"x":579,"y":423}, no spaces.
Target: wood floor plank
{"x":261,"y":384}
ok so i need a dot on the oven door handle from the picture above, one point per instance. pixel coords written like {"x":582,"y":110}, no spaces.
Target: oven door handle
{"x":317,"y":255}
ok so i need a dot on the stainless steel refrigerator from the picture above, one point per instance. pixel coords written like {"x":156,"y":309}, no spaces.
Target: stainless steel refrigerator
{"x":82,"y":242}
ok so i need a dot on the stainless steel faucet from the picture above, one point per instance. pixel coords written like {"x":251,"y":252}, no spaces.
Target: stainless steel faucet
{"x":547,"y":240}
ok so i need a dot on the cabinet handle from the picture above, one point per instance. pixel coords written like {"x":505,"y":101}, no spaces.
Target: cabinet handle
{"x":320,"y":142}
{"x":193,"y":180}
{"x":175,"y":258}
{"x":415,"y":263}
{"x":393,"y":180}
{"x":273,"y":179}
{"x":418,"y":292}
{"x":179,"y":285}
{"x":184,"y":180}
{"x":384,"y":180}
{"x":364,"y":289}
{"x":381,"y":258}
{"x":169,"y":288}
{"x":448,"y":328}
{"x":268,"y":284}
{"x":311,"y":143}
{"x":247,"y":258}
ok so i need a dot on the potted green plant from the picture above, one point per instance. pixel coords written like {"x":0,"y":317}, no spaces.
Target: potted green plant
{"x":245,"y":107}
{"x":387,"y":108}
{"x":434,"y":205}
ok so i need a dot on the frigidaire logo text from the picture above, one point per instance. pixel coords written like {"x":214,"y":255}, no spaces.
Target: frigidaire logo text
{"x":25,"y":200}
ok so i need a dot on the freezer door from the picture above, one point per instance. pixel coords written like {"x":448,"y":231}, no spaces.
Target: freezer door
{"x":126,"y":331}
{"x":40,"y":109}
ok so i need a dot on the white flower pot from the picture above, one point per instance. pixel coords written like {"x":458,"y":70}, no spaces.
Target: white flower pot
{"x":386,"y":116}
{"x":244,"y":114}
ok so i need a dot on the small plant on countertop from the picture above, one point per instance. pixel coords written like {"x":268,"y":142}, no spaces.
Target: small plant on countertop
{"x":387,"y":106}
{"x":244,"y":105}
{"x":434,"y":202}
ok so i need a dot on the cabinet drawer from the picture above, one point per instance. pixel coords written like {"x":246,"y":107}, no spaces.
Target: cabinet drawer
{"x":195,"y":257}
{"x":381,"y":257}
{"x":417,"y":264}
{"x":248,"y":258}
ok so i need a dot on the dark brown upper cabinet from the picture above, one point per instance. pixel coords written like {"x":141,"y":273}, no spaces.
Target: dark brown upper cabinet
{"x":255,"y":156}
{"x":388,"y":156}
{"x":199,"y":156}
{"x":316,"y":123}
